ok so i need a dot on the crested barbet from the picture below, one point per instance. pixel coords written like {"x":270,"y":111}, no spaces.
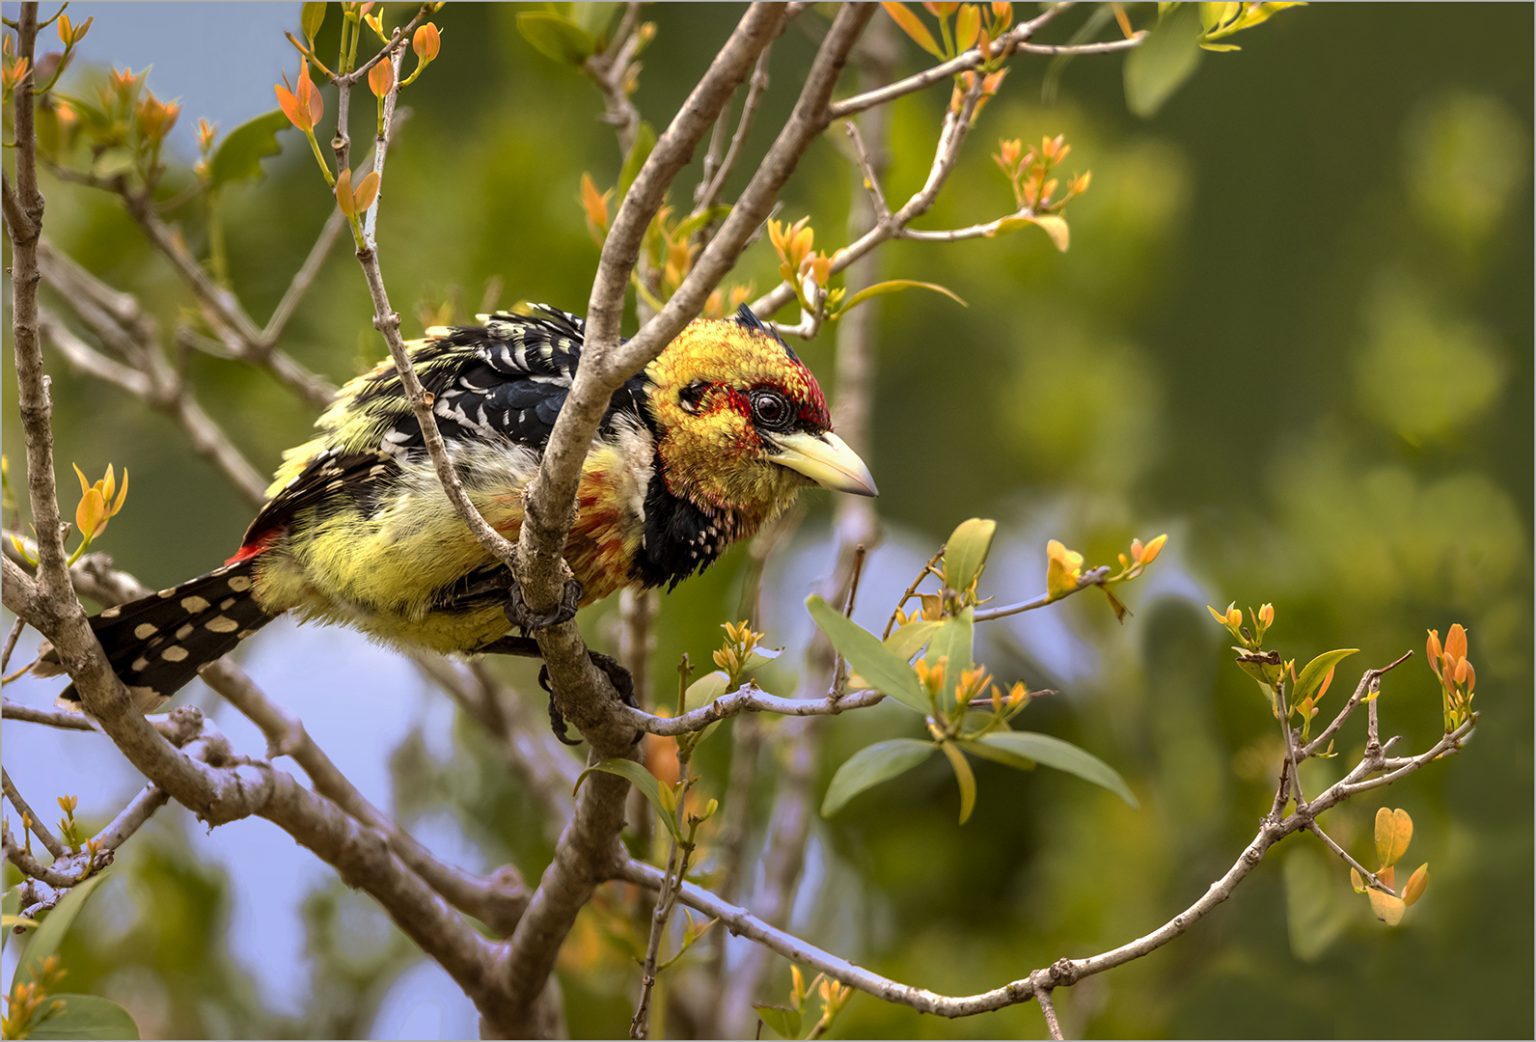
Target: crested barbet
{"x":712,"y":439}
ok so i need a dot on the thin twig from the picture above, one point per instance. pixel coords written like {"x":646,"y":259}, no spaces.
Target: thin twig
{"x":30,"y":818}
{"x":1348,"y":858}
{"x":1048,"y":1008}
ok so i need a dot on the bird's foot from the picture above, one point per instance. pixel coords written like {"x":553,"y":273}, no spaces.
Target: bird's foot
{"x":618,"y":676}
{"x":525,"y":619}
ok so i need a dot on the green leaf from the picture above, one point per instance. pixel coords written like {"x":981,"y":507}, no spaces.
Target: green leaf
{"x":908,"y":640}
{"x":311,"y":18}
{"x":706,"y":689}
{"x":1053,"y":225}
{"x":1311,"y":676}
{"x":781,"y":1020}
{"x":870,"y":766}
{"x":953,"y":642}
{"x":965,"y":552}
{"x":996,"y":755}
{"x":882,"y":668}
{"x":113,"y":162}
{"x":896,"y":286}
{"x":1169,"y":56}
{"x":595,"y":19}
{"x":86,"y":1016}
{"x":556,"y":37}
{"x":645,"y":140}
{"x":642,"y":780}
{"x":1063,"y":756}
{"x":239,"y":155}
{"x":46,"y":940}
{"x":964,"y":776}
{"x":694,"y":221}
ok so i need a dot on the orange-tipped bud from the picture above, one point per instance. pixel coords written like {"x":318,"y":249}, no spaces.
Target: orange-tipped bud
{"x":156,"y":117}
{"x":205,"y":134}
{"x":1267,"y":615}
{"x":1433,"y":651}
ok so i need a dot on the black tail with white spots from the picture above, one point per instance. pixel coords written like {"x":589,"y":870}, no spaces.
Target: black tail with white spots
{"x":158,"y":643}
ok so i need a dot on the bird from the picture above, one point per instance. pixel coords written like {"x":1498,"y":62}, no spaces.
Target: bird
{"x":711,"y":440}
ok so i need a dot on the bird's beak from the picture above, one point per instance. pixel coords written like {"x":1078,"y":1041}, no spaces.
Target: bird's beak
{"x":827,"y":460}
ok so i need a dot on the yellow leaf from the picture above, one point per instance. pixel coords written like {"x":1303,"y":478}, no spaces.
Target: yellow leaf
{"x":910,"y":24}
{"x":1414,"y":888}
{"x":967,"y":27}
{"x":1062,"y":570}
{"x":90,"y":512}
{"x":1054,"y":225}
{"x":1394,"y":831}
{"x":1356,"y":880}
{"x":1388,"y":909}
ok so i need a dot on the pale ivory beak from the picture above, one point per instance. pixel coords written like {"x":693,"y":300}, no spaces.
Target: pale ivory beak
{"x":827,"y":460}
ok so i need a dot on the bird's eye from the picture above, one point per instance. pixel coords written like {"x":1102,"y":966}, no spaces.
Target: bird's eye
{"x":771,"y":411}
{"x":692,"y":396}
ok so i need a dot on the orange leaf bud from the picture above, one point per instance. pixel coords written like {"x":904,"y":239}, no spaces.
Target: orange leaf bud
{"x":427,"y":41}
{"x":344,"y":197}
{"x":366,"y":192}
{"x":381,"y":77}
{"x":1433,"y":651}
{"x":1456,"y":641}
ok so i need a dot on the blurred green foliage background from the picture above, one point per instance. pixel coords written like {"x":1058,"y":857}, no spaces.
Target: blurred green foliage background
{"x":1294,"y":330}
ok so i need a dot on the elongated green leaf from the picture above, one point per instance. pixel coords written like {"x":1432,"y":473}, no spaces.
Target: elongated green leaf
{"x":641,"y":779}
{"x":46,"y":940}
{"x":556,"y":37}
{"x":645,"y":141}
{"x":870,"y":766}
{"x":311,"y":18}
{"x":965,"y":552}
{"x":996,"y":755}
{"x":1311,"y":676}
{"x":87,"y":1016}
{"x":896,"y":286}
{"x":882,"y":668}
{"x":964,"y":776}
{"x":1063,"y":756}
{"x":238,"y":157}
{"x":953,"y":642}
{"x":1166,"y":58}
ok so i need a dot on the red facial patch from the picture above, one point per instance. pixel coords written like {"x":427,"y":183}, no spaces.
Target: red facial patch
{"x":813,"y":405}
{"x":255,"y":546}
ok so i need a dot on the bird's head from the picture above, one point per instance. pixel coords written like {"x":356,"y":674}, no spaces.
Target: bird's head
{"x":742,"y":423}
